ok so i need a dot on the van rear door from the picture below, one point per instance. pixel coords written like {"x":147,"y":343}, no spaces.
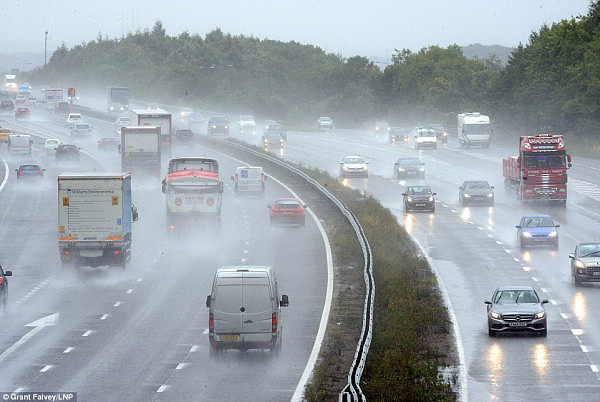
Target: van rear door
{"x":226,"y":309}
{"x":257,"y":316}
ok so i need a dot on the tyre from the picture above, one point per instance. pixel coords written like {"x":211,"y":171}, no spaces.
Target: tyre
{"x":522,"y":244}
{"x":576,"y":280}
{"x":433,"y":209}
{"x":491,"y":332}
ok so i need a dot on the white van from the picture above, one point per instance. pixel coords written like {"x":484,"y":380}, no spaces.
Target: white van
{"x":245,"y":310}
{"x":249,"y":178}
{"x":20,"y":144}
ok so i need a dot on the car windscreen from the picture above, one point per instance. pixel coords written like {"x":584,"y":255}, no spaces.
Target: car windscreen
{"x":589,"y":249}
{"x":516,"y":296}
{"x":354,"y":160}
{"x":287,"y":204}
{"x":537,"y":222}
{"x":409,"y":162}
{"x":218,"y":119}
{"x":419,"y":190}
{"x":30,"y":168}
{"x":477,"y":185}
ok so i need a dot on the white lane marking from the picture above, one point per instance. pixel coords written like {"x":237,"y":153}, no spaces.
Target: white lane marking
{"x":586,"y":188}
{"x":5,"y":175}
{"x":490,"y":236}
{"x":508,"y":251}
{"x":544,"y":290}
{"x":20,"y":389}
{"x":526,"y":269}
{"x":245,"y":251}
{"x":195,"y":347}
{"x":244,"y":260}
{"x":34,"y":290}
{"x":564,"y":316}
{"x":594,"y":368}
{"x":68,"y":350}
{"x":117,"y":304}
{"x":181,"y":366}
{"x":516,"y":259}
{"x":104,"y":317}
{"x":46,"y":368}
{"x":87,"y":333}
{"x":129,"y":291}
{"x":533,"y":278}
{"x":584,"y":349}
{"x":39,"y":324}
{"x":162,"y":388}
{"x":247,"y":243}
{"x":140,"y":279}
{"x":577,"y":331}
{"x":554,"y":302}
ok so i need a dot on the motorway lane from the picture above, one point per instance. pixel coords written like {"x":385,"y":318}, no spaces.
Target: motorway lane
{"x":141,"y":334}
{"x":474,"y":249}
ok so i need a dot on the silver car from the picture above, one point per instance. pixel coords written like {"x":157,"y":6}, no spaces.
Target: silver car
{"x":516,"y":308}
{"x":585,"y":262}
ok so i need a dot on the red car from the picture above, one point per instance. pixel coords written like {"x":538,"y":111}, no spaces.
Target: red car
{"x":287,"y":211}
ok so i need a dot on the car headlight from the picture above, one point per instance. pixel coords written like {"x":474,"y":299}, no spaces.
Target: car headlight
{"x":409,"y":199}
{"x":490,"y":195}
{"x":345,"y":167}
{"x":526,"y":234}
{"x":495,"y":315}
{"x":421,"y":169}
{"x":579,"y":264}
{"x":466,"y":195}
{"x":226,"y":126}
{"x":430,"y":198}
{"x":401,"y":169}
{"x":445,"y":134}
{"x":541,"y":314}
{"x":552,"y":234}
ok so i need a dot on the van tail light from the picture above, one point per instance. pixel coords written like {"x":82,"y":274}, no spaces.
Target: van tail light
{"x":211,"y":323}
{"x":274,"y":323}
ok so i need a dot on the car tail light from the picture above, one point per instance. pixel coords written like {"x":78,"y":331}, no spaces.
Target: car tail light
{"x":39,"y":172}
{"x":116,"y":252}
{"x":274,"y":322}
{"x":65,"y":252}
{"x":211,"y":323}
{"x":299,"y":209}
{"x":21,"y":172}
{"x":1,"y":280}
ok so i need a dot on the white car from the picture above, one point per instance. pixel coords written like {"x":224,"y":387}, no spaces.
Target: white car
{"x":425,"y":138}
{"x":247,"y":124}
{"x":186,"y":112}
{"x":122,"y":121}
{"x":354,"y":165}
{"x":73,"y":118}
{"x":50,"y":145}
{"x":81,"y":128}
{"x":325,"y":122}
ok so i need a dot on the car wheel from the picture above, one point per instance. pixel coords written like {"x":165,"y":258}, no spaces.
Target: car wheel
{"x":491,"y":332}
{"x":544,"y":333}
{"x":433,"y":209}
{"x":463,"y":202}
{"x":522,"y":244}
{"x":576,"y":280}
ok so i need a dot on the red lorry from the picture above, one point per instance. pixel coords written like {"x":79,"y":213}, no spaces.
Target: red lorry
{"x":539,"y":173}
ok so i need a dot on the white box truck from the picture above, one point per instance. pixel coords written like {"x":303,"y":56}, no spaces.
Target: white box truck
{"x":95,"y":212}
{"x":158,"y":118}
{"x":140,"y":149}
{"x":474,"y":129}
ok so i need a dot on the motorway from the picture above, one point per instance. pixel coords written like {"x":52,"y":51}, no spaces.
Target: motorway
{"x":473,"y":250}
{"x":141,"y":333}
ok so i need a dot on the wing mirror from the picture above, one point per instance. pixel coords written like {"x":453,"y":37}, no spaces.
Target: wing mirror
{"x":285,"y":301}
{"x":134,"y":213}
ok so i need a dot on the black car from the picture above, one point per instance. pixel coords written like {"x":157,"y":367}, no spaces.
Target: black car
{"x":218,"y":125}
{"x":273,"y":139}
{"x":476,"y":192}
{"x":4,"y":286}
{"x":67,"y":152}
{"x":184,"y":136}
{"x":440,"y":132}
{"x":399,"y":134}
{"x":409,"y":167}
{"x":22,"y":112}
{"x":585,"y":262}
{"x":516,"y":308}
{"x":419,"y":198}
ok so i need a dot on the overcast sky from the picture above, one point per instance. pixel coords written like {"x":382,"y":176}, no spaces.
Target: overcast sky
{"x":348,"y":27}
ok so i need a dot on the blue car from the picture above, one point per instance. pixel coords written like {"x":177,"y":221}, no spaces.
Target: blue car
{"x":537,"y":229}
{"x":29,"y":171}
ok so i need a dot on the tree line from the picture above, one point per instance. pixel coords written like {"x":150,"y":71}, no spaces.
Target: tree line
{"x":551,"y":83}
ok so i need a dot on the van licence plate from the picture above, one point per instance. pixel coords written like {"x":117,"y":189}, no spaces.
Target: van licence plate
{"x":229,"y":337}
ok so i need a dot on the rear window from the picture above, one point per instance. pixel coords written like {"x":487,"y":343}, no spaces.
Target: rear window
{"x":228,"y":298}
{"x":30,"y":168}
{"x":288,"y":204}
{"x":256,"y":298}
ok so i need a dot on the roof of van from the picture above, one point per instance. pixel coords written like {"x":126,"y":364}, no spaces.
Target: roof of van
{"x":235,"y":270}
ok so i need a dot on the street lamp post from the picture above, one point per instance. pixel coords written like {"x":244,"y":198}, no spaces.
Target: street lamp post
{"x":45,"y":44}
